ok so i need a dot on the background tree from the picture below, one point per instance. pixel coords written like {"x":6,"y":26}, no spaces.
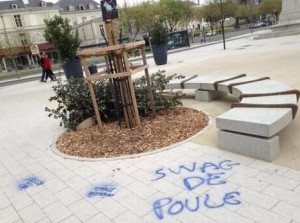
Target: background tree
{"x":269,"y":6}
{"x":172,"y":11}
{"x":188,"y":14}
{"x":11,"y":49}
{"x":138,"y":18}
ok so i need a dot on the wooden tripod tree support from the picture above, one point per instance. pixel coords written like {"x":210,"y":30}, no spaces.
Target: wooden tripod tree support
{"x":121,"y":72}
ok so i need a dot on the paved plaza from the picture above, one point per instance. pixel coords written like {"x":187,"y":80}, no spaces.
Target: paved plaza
{"x":192,"y":181}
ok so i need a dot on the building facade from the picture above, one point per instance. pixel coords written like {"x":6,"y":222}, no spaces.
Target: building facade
{"x":79,"y":11}
{"x":22,"y":28}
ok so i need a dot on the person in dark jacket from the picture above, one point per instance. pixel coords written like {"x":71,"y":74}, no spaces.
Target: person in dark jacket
{"x":41,"y":62}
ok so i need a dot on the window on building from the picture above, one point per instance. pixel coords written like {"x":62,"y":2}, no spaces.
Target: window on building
{"x":71,"y":7}
{"x":14,"y":6}
{"x":47,"y":16}
{"x":23,"y":39}
{"x":81,"y":7}
{"x":43,"y":4}
{"x":83,"y":33}
{"x":90,"y":6}
{"x":18,"y":20}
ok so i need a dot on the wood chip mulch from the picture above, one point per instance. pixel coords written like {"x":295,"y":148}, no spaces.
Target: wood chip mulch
{"x":168,"y":127}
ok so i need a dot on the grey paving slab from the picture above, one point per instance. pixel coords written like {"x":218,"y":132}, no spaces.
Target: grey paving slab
{"x":185,"y":183}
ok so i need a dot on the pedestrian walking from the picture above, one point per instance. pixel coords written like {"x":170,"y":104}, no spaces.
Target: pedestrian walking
{"x":41,"y":62}
{"x":47,"y":67}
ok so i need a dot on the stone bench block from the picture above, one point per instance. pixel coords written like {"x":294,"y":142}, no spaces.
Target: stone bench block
{"x":264,"y":122}
{"x":208,"y":84}
{"x":203,"y":95}
{"x":224,"y":85}
{"x":196,"y":82}
{"x":176,"y":83}
{"x":265,"y":86}
{"x":257,"y":147}
{"x":274,"y":99}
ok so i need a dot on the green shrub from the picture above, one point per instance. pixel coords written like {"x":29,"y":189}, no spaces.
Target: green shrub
{"x":74,"y":103}
{"x":158,"y":34}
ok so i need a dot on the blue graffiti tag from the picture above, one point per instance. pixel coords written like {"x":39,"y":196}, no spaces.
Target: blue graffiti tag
{"x":172,"y":206}
{"x":206,"y":167}
{"x":104,"y":190}
{"x":29,"y":182}
{"x":195,"y":175}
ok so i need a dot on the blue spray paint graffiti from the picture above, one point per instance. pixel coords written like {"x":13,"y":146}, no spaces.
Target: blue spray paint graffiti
{"x":172,"y":206}
{"x":29,"y":182}
{"x":104,"y":190}
{"x":194,"y":176}
{"x":195,"y":167}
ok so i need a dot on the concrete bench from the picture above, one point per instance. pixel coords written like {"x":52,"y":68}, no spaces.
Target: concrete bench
{"x":252,"y":126}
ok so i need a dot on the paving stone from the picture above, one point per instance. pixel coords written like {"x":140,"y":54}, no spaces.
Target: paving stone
{"x":31,"y":213}
{"x":84,"y":171}
{"x":224,"y":215}
{"x":55,"y":185}
{"x":293,"y":174}
{"x":278,"y":180}
{"x":261,"y":215}
{"x":21,"y":200}
{"x":128,"y":217}
{"x":257,"y":199}
{"x":269,"y":167}
{"x":68,"y":196}
{"x":83,"y":210}
{"x":4,"y":202}
{"x":288,"y":196}
{"x":287,"y":210}
{"x":136,"y":205}
{"x":77,"y":183}
{"x":99,"y":218}
{"x":57,"y":212}
{"x":105,"y":206}
{"x":8,"y":214}
{"x":142,"y":190}
{"x":248,"y":182}
{"x":44,"y":198}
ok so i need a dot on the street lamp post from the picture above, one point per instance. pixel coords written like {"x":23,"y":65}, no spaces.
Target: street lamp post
{"x":222,"y":24}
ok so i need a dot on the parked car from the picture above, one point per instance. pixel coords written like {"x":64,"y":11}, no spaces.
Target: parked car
{"x":258,"y":24}
{"x":172,"y":45}
{"x":208,"y":34}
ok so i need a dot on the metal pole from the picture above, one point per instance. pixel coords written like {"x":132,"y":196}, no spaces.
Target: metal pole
{"x":222,"y":24}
